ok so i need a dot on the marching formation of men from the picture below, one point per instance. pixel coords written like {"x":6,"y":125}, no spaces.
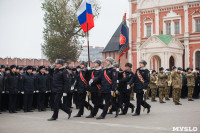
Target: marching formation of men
{"x":109,"y":89}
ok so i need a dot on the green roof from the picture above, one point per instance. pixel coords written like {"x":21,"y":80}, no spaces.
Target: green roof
{"x":165,"y":38}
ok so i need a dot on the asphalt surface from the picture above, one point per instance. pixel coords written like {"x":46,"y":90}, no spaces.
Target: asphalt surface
{"x":162,"y":119}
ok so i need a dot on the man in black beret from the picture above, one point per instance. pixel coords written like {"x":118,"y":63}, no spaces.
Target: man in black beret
{"x":42,"y":84}
{"x":141,"y":80}
{"x":12,"y":87}
{"x":61,"y":82}
{"x":2,"y":91}
{"x":82,"y":88}
{"x":28,"y":89}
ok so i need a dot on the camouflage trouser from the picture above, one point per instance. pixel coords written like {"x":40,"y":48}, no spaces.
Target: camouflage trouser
{"x":153,"y":93}
{"x":161,"y":94}
{"x":176,"y":95}
{"x":132,"y":95}
{"x":190,"y":92}
{"x":147,"y":93}
{"x":167,"y":91}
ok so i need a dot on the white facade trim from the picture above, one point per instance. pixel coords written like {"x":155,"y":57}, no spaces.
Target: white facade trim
{"x":193,"y":20}
{"x":145,"y":26}
{"x":170,"y":17}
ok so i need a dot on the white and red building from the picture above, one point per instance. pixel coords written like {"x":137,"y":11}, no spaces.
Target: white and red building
{"x":164,"y":33}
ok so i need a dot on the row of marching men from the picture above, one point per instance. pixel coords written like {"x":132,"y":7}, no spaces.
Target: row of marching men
{"x":180,"y":82}
{"x":107,"y":88}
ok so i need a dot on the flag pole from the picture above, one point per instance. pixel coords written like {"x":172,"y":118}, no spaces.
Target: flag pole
{"x":88,"y":42}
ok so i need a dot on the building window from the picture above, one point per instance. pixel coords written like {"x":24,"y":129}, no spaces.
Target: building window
{"x":197,"y":58}
{"x":148,"y":30}
{"x":197,"y":25}
{"x":177,"y":27}
{"x":168,"y":28}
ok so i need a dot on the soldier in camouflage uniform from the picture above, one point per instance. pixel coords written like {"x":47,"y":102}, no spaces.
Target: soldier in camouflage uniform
{"x":161,"y":83}
{"x":153,"y":86}
{"x":168,"y":84}
{"x":177,"y":85}
{"x":190,"y":83}
{"x":173,"y":70}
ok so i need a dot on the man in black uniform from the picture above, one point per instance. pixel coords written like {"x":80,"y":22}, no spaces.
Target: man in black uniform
{"x":125,"y":90}
{"x":95,"y":88}
{"x":61,"y":82}
{"x":141,"y":80}
{"x":2,"y":91}
{"x":42,"y":84}
{"x":28,"y":89}
{"x":82,"y":87}
{"x":12,"y":86}
{"x":108,"y":85}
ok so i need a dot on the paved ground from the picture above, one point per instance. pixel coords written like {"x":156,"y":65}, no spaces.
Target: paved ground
{"x":162,"y":119}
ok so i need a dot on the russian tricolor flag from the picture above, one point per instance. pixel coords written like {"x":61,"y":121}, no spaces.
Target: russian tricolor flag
{"x":85,"y":16}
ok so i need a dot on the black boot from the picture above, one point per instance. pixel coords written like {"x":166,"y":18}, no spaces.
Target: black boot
{"x":69,"y":114}
{"x":90,"y":116}
{"x":100,"y":117}
{"x":135,"y":114}
{"x":148,"y":109}
{"x":132,"y":109}
{"x":78,"y":115}
{"x":52,"y":119}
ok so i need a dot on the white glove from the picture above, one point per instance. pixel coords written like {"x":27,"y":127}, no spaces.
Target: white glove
{"x":117,"y":69}
{"x":46,"y":91}
{"x":3,"y":92}
{"x":37,"y":91}
{"x":117,"y":92}
{"x":117,"y":81}
{"x":89,"y":68}
{"x":22,"y":92}
{"x":155,"y":82}
{"x":72,"y":88}
{"x":112,"y":93}
{"x":90,"y":82}
{"x":64,"y":94}
{"x":128,"y":87}
{"x":33,"y":91}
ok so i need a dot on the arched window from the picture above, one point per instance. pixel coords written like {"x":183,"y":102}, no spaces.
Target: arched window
{"x":197,"y":59}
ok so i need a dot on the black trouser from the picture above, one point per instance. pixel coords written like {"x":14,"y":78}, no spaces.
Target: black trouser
{"x":107,"y":98}
{"x":0,"y":102}
{"x":5,"y":101}
{"x":12,"y":102}
{"x":83,"y":103}
{"x":28,"y":102}
{"x":97,"y":101}
{"x":140,"y":101}
{"x":47,"y":100}
{"x":40,"y":101}
{"x":18,"y":106}
{"x":57,"y":105}
{"x":126,"y":100}
{"x":196,"y":91}
{"x":69,"y":99}
{"x":52,"y":97}
{"x":75,"y":99}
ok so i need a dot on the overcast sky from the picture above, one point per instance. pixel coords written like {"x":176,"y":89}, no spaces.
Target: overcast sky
{"x":21,"y":26}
